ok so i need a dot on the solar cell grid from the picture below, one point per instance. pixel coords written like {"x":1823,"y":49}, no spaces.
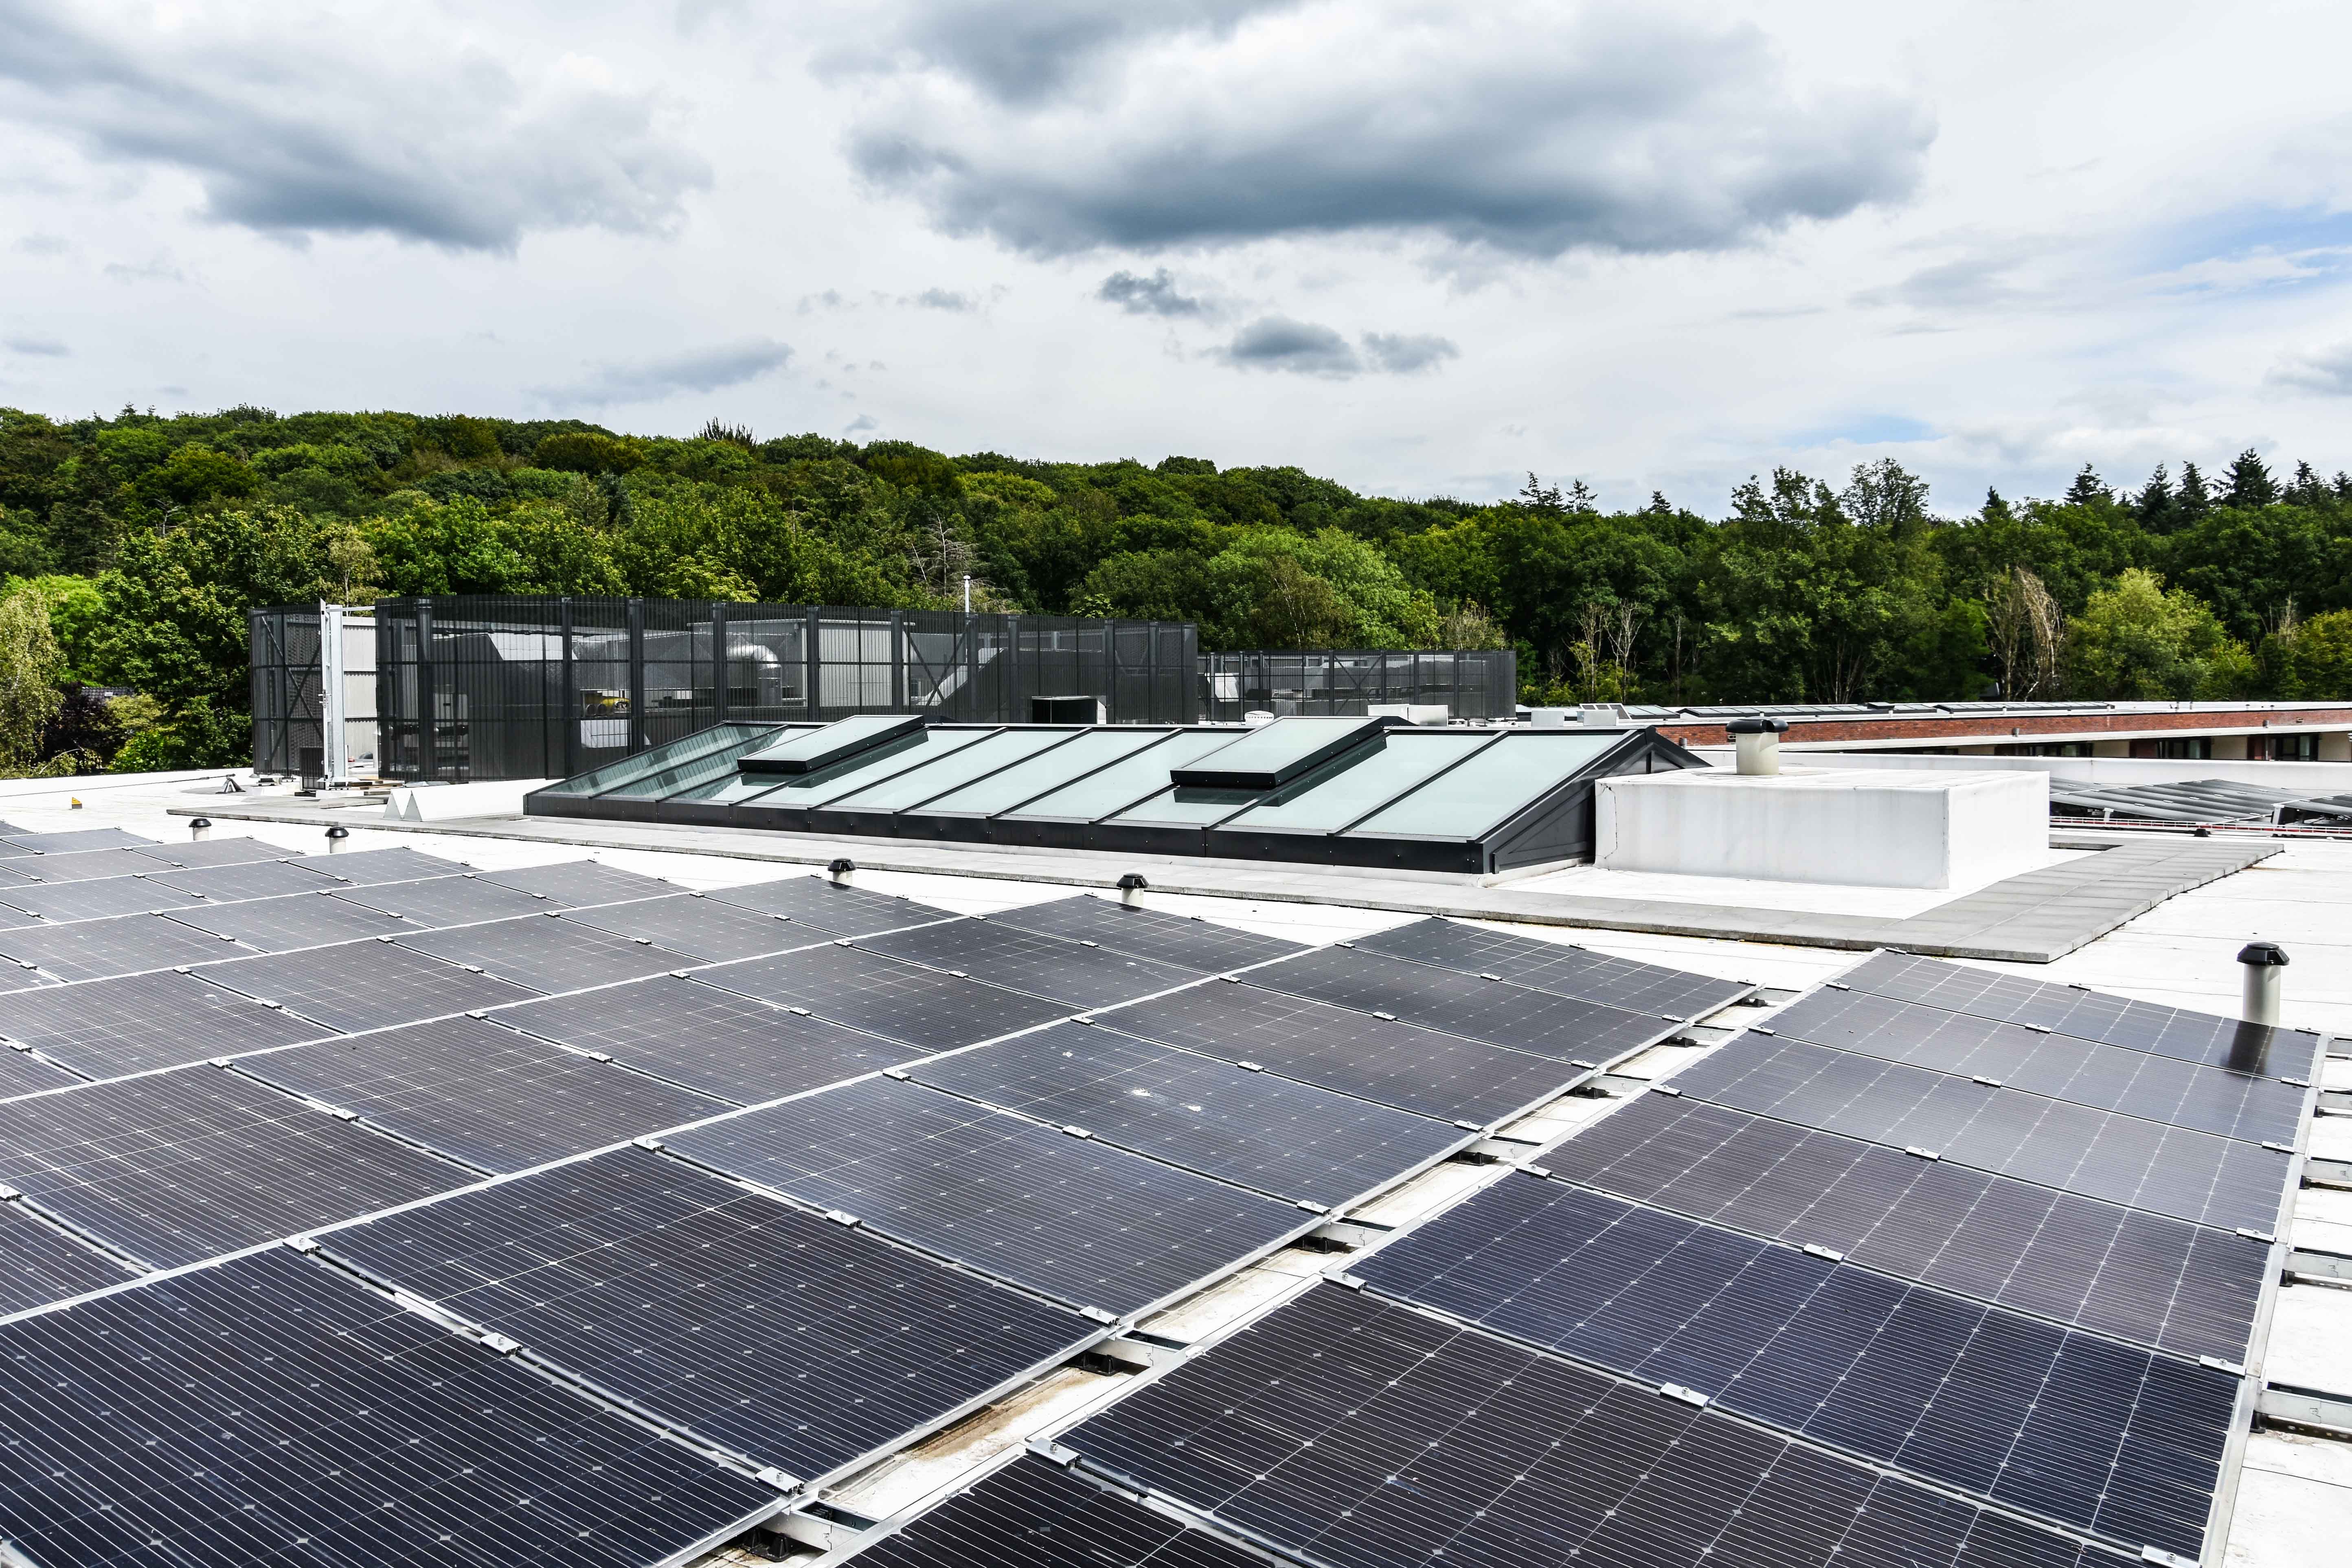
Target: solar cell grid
{"x":95,"y":899}
{"x":1036,"y":1515}
{"x":579,"y":883}
{"x":123,"y":944}
{"x":844,"y":911}
{"x":257,"y":879}
{"x":2122,"y":1159}
{"x":1556,"y":967}
{"x":161,"y":1425}
{"x":1153,"y":933}
{"x":360,"y":985}
{"x":769,"y":1331}
{"x":491,"y":1098}
{"x":180,"y":1166}
{"x":368,"y":867}
{"x":547,"y":955}
{"x":448,"y":900}
{"x":297,"y":920}
{"x":2089,"y":1434}
{"x":2158,"y":1281}
{"x":40,"y":1263}
{"x":1497,"y":1012}
{"x":69,"y":843}
{"x":84,"y":866}
{"x":712,"y":1040}
{"x":21,"y":1072}
{"x":1044,"y":966}
{"x":1398,"y":1064}
{"x":1364,"y":1435}
{"x":2111,"y":1077}
{"x":712,"y":931}
{"x":1066,"y":1217}
{"x":134,"y":1022}
{"x":923,"y":1007}
{"x":215,"y":852}
{"x":1291,"y":1140}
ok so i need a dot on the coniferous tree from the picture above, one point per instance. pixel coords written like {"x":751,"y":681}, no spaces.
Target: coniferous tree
{"x":2308,"y":488}
{"x":2087,"y":488}
{"x":2154,"y":506}
{"x":2196,"y":499}
{"x":2250,"y":484}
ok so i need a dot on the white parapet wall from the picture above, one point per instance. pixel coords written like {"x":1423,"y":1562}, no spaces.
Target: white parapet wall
{"x":1850,"y":827}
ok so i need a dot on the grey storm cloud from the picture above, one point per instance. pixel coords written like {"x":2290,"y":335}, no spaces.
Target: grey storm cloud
{"x":652,"y":380}
{"x":291,"y":140}
{"x":1154,"y":296}
{"x":1404,"y":355}
{"x":1308,"y":348}
{"x":1018,"y":51}
{"x":2328,"y":371}
{"x":1516,"y":127}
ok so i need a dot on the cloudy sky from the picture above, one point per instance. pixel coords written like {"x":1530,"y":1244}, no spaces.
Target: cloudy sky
{"x":1419,"y":248}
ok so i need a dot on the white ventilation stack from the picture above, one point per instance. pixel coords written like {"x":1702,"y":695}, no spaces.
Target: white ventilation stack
{"x":1758,"y":741}
{"x":2264,"y":962}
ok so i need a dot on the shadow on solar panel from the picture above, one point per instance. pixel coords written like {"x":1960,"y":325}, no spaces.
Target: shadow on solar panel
{"x":761,"y":1328}
{"x":844,"y":911}
{"x":1038,"y":1514}
{"x":1045,"y":966}
{"x":1561,"y":968}
{"x":1153,"y":933}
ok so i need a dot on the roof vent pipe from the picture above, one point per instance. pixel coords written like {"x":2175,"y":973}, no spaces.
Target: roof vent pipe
{"x":1129,"y":887}
{"x":2263,"y":962}
{"x":839,"y":871}
{"x":200,"y":827}
{"x":1759,"y":743}
{"x":335,"y":837}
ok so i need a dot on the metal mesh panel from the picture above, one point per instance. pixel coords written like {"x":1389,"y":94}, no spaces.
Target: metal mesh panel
{"x":1471,"y":683}
{"x":288,"y":712}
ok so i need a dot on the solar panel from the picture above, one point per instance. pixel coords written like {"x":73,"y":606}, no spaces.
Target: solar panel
{"x":923,"y":1007}
{"x":2121,"y":1442}
{"x":95,"y":899}
{"x":844,"y":911}
{"x":1337,"y":1048}
{"x":179,"y":1166}
{"x":581,"y":882}
{"x":448,"y":900}
{"x":1154,"y":933}
{"x":1557,"y":967}
{"x":12,"y":877}
{"x":2158,"y":1281}
{"x":710,"y":930}
{"x":1495,"y":1010}
{"x":712,"y":1040}
{"x":361,"y":985}
{"x":1036,"y":1515}
{"x":757,"y":1326}
{"x":1066,"y":1216}
{"x":21,"y":1072}
{"x":548,"y":955}
{"x":266,"y":1411}
{"x":134,"y":1022}
{"x":14,"y":919}
{"x":1291,"y":1140}
{"x":1360,"y":1434}
{"x":40,"y":1263}
{"x":495,"y":1100}
{"x":68,"y":843}
{"x":298,"y":919}
{"x":2088,"y":1015}
{"x":1041,"y":965}
{"x":215,"y":852}
{"x":83,"y":865}
{"x":2110,"y":1078}
{"x":2098,"y":1154}
{"x":257,"y":880}
{"x":124,"y":944}
{"x":368,"y":867}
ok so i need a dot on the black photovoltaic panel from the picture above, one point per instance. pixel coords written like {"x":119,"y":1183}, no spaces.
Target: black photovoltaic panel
{"x":866,"y":991}
{"x":257,"y":880}
{"x":1041,"y":966}
{"x":2110,"y":1078}
{"x":361,"y":985}
{"x":844,"y":911}
{"x":217,"y":852}
{"x":2098,"y":1154}
{"x":712,"y":931}
{"x":302,"y":920}
{"x":769,"y":1331}
{"x":2089,"y":1014}
{"x":185,"y":1166}
{"x":83,"y":865}
{"x":2080,"y":1430}
{"x":1033,"y":1513}
{"x":97,"y":900}
{"x":269,"y":1412}
{"x":1288,"y":1139}
{"x":448,"y":900}
{"x":577,"y":882}
{"x":2139,"y":1277}
{"x":368,"y":867}
{"x":1066,"y":1217}
{"x":1153,"y":933}
{"x":1495,"y":1010}
{"x":40,"y":1264}
{"x":495,"y":1100}
{"x":69,"y":843}
{"x":103,"y":1028}
{"x":548,"y":955}
{"x":1396,"y":1063}
{"x":21,"y":1072}
{"x":713,"y":1040}
{"x":1364,"y":1435}
{"x":123,"y":944}
{"x":1556,"y":967}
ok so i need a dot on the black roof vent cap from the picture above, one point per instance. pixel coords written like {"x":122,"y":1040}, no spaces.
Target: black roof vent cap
{"x":2264,"y":954}
{"x":1757,"y":727}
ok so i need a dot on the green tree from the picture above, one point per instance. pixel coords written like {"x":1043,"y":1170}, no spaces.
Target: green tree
{"x":30,"y":665}
{"x":2319,"y":658}
{"x":2138,"y":640}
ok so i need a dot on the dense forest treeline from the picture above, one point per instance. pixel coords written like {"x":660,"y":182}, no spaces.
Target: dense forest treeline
{"x":131,"y":548}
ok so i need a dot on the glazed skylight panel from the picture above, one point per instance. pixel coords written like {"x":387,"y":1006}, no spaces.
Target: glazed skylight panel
{"x":547,"y":954}
{"x":1556,"y":967}
{"x":765,"y":1329}
{"x":1068,"y":1216}
{"x":1153,"y":933}
{"x":361,"y":985}
{"x":581,"y":882}
{"x":283,"y":924}
{"x":1403,"y":1065}
{"x":836,"y":911}
{"x":94,"y":950}
{"x":714,"y":1041}
{"x":40,"y":1263}
{"x":2158,"y":1281}
{"x":102,"y":1028}
{"x":712,"y":931}
{"x":449,"y":900}
{"x":1359,"y":1434}
{"x":1495,"y":1010}
{"x":1289,"y":1140}
{"x":2098,"y":1436}
{"x":267,"y":1410}
{"x":2141,"y":1164}
{"x":1048,"y":966}
{"x":925,"y":1007}
{"x":175,"y":1167}
{"x":488,"y":1097}
{"x":1033,"y":1513}
{"x":2246,"y":1106}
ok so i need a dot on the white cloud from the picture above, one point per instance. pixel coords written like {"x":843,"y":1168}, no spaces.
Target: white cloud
{"x":2328,"y":371}
{"x":666,"y":376}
